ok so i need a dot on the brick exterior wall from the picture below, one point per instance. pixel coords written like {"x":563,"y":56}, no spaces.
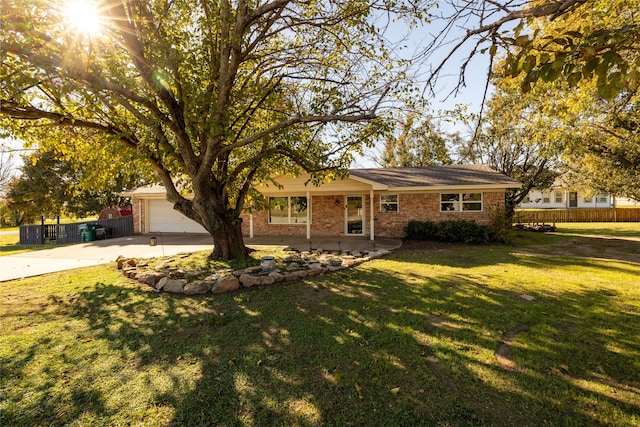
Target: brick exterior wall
{"x":426,"y":207}
{"x":139,"y":215}
{"x":328,"y":219}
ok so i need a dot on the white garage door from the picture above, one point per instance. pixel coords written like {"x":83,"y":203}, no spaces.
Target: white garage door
{"x":164,"y":219}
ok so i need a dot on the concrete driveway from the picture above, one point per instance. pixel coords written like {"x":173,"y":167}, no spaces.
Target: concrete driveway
{"x":99,"y":252}
{"x":104,"y":251}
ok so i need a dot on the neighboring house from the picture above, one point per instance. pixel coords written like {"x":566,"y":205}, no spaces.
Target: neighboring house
{"x":559,"y":197}
{"x":562,"y":198}
{"x":370,"y":202}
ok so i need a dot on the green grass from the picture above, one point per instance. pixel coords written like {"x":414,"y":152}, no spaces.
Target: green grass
{"x":408,"y":340}
{"x":613,"y":229}
{"x":10,"y":245}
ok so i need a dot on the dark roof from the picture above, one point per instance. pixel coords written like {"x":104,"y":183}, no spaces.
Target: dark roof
{"x":436,"y":176}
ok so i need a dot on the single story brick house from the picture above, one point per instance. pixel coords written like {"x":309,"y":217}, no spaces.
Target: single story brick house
{"x":370,"y":202}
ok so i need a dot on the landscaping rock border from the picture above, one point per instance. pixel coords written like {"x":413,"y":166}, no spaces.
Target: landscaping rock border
{"x":295,"y":266}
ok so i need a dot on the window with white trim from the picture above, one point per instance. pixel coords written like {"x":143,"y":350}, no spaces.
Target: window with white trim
{"x":558,"y":197}
{"x":546,"y":197}
{"x":601,"y":198}
{"x":389,"y":203}
{"x":456,"y":202}
{"x":288,"y":210}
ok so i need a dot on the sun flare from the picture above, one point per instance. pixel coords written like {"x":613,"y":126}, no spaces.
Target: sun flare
{"x":83,"y":16}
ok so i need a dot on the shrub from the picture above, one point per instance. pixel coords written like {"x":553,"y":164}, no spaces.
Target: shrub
{"x":460,"y":230}
{"x":421,"y":230}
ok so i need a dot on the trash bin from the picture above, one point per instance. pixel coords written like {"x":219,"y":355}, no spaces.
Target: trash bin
{"x":88,"y":232}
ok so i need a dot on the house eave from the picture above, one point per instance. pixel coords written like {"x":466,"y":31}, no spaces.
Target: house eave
{"x":440,"y":188}
{"x":375,"y":186}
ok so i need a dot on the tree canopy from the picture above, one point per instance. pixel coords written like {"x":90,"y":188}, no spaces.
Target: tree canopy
{"x":215,"y":96}
{"x":587,"y":107}
{"x":415,"y":143}
{"x":576,"y":66}
{"x":50,"y":185}
{"x":513,"y":140}
{"x":543,"y":41}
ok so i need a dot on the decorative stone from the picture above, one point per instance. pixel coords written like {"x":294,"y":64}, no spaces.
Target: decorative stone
{"x":198,"y":287}
{"x":120,"y":261}
{"x":248,"y":280}
{"x":149,"y":277}
{"x":214,"y":277}
{"x":378,"y":254}
{"x":292,"y":258}
{"x":335,"y":262}
{"x":168,"y":284}
{"x":130,"y":262}
{"x":278,"y":277}
{"x":130,"y":272}
{"x":295,"y":275}
{"x":248,"y":270}
{"x":267,"y":280}
{"x":314,"y":271}
{"x":293,"y":266}
{"x":193,"y":274}
{"x":226,"y":284}
{"x":177,"y":273}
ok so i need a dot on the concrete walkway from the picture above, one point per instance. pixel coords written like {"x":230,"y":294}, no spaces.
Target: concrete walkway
{"x":69,"y":257}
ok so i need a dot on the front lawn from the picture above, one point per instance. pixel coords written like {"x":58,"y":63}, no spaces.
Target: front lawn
{"x":436,"y":334}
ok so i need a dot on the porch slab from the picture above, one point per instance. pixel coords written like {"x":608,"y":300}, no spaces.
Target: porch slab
{"x":326,"y":243}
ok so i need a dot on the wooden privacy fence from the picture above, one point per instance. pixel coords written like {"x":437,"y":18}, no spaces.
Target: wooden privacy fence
{"x":577,"y":215}
{"x":70,"y":233}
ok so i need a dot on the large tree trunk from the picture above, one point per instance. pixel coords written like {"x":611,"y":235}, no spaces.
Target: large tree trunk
{"x":210,"y":210}
{"x":228,"y":242}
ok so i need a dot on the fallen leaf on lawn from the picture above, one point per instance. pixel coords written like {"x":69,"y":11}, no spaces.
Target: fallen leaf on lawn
{"x":86,"y":339}
{"x":395,"y":390}
{"x":358,"y":388}
{"x":231,"y":362}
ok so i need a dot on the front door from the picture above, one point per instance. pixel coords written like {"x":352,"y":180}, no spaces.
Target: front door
{"x":573,"y":200}
{"x":354,"y":216}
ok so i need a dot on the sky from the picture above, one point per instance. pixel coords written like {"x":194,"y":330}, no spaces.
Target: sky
{"x":446,"y":95}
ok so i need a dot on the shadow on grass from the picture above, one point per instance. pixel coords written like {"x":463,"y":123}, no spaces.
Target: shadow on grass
{"x":380,"y":345}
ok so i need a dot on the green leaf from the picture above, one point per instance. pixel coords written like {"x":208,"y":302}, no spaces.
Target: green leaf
{"x":574,"y":79}
{"x":522,"y":41}
{"x":529,"y":63}
{"x":549,"y":73}
{"x":607,"y":91}
{"x":591,"y":65}
{"x":544,"y":58}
